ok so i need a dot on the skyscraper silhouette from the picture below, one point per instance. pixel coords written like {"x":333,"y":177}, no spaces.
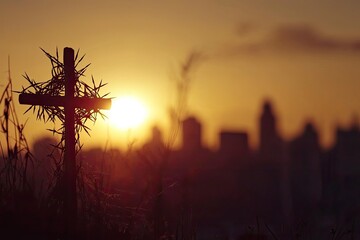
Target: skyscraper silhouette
{"x":191,"y":134}
{"x":343,"y":172}
{"x":305,"y":172}
{"x":270,"y":142}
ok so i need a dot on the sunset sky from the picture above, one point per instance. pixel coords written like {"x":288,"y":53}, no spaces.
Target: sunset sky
{"x":302,"y":54}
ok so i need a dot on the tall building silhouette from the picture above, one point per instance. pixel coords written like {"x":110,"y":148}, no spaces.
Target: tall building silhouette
{"x":305,"y":172}
{"x":343,"y":173}
{"x":191,"y":134}
{"x":270,"y":142}
{"x":271,"y":169}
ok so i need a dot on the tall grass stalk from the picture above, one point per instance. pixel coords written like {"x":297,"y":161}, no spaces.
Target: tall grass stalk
{"x":15,"y":152}
{"x":156,"y":160}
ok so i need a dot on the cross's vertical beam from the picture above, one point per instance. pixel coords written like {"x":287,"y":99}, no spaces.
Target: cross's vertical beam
{"x":70,"y":203}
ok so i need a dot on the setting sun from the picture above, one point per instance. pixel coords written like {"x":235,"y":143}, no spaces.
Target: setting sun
{"x":127,"y":112}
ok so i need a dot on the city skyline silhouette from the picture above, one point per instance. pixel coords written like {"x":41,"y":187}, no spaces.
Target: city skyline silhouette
{"x":281,"y":182}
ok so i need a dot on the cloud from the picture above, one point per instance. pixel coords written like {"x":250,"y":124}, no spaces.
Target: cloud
{"x":245,"y":28}
{"x":292,"y":39}
{"x":307,"y":38}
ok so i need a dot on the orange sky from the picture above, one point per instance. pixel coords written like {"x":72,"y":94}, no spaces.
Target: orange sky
{"x":305,"y":55}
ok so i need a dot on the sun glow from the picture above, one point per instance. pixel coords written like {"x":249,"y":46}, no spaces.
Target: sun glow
{"x":127,"y":112}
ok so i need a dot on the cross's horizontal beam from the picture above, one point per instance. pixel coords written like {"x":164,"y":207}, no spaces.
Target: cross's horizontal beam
{"x":60,"y":101}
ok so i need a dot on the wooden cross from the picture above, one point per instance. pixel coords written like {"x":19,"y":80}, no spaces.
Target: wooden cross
{"x":69,"y":102}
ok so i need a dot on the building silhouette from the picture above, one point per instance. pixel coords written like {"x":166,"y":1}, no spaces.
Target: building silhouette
{"x":305,"y":172}
{"x":234,"y":144}
{"x":270,"y":142}
{"x":191,"y":134}
{"x":341,"y":174}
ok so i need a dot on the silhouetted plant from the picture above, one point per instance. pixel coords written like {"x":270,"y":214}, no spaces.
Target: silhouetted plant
{"x":182,"y":84}
{"x":18,"y":202}
{"x":156,"y":160}
{"x":340,"y":232}
{"x":17,"y":158}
